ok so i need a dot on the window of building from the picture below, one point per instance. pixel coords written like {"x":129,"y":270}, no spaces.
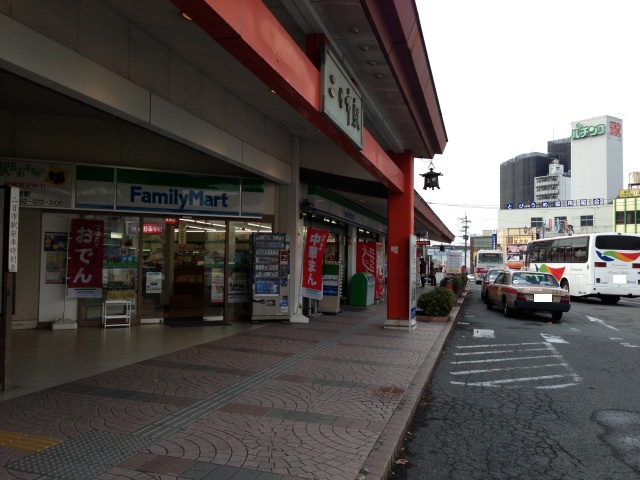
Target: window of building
{"x":630,"y":218}
{"x":586,"y":220}
{"x":537,"y":222}
{"x":619,"y":218}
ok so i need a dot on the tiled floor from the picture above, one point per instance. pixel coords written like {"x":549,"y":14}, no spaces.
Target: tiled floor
{"x":45,"y":358}
{"x":325,"y":400}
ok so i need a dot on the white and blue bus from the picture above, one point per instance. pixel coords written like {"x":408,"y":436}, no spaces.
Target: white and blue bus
{"x":603,"y":265}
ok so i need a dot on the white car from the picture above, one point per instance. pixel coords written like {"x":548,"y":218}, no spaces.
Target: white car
{"x":471,"y":277}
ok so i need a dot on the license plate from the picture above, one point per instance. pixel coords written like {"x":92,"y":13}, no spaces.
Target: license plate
{"x":542,"y":297}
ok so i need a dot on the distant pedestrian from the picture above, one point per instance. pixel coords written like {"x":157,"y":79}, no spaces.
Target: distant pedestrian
{"x":423,"y":271}
{"x":432,"y":275}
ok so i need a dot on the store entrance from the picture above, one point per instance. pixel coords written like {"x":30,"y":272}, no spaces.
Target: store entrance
{"x":196,"y":269}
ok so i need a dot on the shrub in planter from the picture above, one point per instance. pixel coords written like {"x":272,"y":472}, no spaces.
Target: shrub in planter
{"x":465,"y":280}
{"x":438,"y":302}
{"x":457,"y":284}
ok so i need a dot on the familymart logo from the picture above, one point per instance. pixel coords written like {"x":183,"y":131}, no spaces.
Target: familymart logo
{"x":183,"y":199}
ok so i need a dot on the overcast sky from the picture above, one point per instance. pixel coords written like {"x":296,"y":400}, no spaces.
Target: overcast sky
{"x":512,"y":75}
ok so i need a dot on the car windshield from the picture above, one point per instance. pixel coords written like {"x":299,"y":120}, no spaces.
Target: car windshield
{"x":535,"y":278}
{"x":494,"y":273}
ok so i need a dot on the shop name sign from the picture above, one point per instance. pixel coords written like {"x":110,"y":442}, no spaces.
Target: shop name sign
{"x":172,"y":199}
{"x":583,"y":202}
{"x":341,"y":101}
{"x":176,"y":198}
{"x":583,"y":131}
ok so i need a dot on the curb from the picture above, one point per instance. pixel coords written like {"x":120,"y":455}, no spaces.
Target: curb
{"x":380,"y":461}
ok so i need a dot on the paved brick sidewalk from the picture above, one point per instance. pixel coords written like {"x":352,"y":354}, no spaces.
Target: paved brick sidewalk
{"x":326,"y":400}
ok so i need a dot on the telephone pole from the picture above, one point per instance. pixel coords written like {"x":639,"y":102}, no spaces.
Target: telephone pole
{"x":465,"y":226}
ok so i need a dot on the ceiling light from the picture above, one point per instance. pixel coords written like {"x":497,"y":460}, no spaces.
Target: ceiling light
{"x":364,"y":48}
{"x":379,"y":76}
{"x":186,"y":17}
{"x":354,"y":29}
{"x":372,"y":63}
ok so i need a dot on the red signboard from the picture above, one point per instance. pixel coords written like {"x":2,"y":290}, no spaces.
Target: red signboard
{"x":85,"y":258}
{"x":312,"y":263}
{"x":370,"y":258}
{"x":151,"y":228}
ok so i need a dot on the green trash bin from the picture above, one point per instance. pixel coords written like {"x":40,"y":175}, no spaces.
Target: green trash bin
{"x":362,"y":289}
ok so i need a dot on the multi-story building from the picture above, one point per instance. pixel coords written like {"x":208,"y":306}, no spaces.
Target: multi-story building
{"x":584,"y":204}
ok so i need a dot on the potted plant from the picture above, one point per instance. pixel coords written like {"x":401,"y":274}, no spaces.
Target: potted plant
{"x":435,"y":305}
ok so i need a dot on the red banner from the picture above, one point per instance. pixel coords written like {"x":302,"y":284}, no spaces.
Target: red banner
{"x":85,"y":258}
{"x":312,"y":263}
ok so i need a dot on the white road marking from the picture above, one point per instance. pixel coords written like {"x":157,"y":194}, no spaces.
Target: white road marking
{"x":624,"y":344}
{"x":495,"y":383}
{"x":601,"y":322}
{"x":517,"y":382}
{"x":574,"y":329}
{"x":482,"y":333}
{"x":552,"y":338}
{"x":487,"y":370}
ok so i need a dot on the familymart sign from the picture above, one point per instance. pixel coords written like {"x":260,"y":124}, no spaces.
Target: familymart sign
{"x":124,"y":189}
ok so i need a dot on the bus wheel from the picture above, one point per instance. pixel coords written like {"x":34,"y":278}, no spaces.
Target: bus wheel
{"x":610,"y":299}
{"x":565,"y":285}
{"x":556,"y":316}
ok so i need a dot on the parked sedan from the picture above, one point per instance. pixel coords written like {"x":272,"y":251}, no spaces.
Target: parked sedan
{"x":524,"y":291}
{"x":488,"y":279}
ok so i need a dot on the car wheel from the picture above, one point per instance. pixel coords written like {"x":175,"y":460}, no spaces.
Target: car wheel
{"x":487,"y":300}
{"x":556,"y":316}
{"x":565,"y":285}
{"x":505,"y":309}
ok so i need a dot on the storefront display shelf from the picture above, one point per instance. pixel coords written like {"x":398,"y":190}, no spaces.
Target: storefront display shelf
{"x":116,"y":313}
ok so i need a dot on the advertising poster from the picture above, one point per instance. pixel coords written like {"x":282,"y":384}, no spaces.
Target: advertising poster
{"x":454,"y":262}
{"x":312,"y":263}
{"x":55,"y":241}
{"x":41,"y":184}
{"x":154,"y":282}
{"x":85,"y":258}
{"x":56,"y":267}
{"x":217,"y":285}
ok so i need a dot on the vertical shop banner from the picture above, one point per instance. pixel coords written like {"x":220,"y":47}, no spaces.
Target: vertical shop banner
{"x":312,"y":261}
{"x":85,"y":258}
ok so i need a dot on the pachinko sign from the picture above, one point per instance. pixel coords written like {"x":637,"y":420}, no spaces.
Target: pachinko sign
{"x":312,"y":263}
{"x":85,"y":258}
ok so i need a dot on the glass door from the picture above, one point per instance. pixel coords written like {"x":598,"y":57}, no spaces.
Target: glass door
{"x":153,"y":285}
{"x":214,"y":254}
{"x":239,"y":271}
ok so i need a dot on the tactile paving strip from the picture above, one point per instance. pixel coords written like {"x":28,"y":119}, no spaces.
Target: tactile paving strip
{"x":26,"y":442}
{"x":86,"y":456}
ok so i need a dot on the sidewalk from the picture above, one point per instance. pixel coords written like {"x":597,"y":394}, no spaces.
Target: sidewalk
{"x":328,"y":400}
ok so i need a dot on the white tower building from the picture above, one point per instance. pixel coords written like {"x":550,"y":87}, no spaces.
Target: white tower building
{"x":596,"y":160}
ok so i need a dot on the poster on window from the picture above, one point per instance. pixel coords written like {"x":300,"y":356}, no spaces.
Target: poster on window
{"x":312,"y":263}
{"x":217,"y":285}
{"x":154,"y":282}
{"x":85,"y":258}
{"x":56,"y":268}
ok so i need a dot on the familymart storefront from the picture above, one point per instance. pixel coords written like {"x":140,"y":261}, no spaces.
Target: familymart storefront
{"x":155,"y":245}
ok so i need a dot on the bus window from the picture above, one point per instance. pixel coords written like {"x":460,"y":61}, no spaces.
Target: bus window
{"x":617,"y":242}
{"x":579,"y":254}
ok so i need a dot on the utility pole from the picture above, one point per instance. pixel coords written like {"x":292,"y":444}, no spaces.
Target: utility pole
{"x":465,"y":226}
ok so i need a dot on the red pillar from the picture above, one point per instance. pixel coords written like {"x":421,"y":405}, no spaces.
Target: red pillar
{"x":400,"y":288}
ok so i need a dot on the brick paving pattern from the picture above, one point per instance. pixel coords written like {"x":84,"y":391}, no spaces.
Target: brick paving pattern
{"x":325,"y":400}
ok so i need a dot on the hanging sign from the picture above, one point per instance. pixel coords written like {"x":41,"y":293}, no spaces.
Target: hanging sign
{"x":312,"y":263}
{"x":13,"y":217}
{"x":85,"y":258}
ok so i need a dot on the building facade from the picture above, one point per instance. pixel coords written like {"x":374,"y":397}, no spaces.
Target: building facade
{"x":183,"y":129}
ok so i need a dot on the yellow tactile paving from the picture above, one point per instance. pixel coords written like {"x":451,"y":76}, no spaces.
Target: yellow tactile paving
{"x":26,"y":442}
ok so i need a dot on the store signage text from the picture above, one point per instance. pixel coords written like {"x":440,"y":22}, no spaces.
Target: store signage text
{"x":341,"y":101}
{"x":583,"y":202}
{"x":582,"y":131}
{"x":173,"y":197}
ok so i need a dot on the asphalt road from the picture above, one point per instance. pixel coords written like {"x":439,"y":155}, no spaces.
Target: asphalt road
{"x":523,"y":398}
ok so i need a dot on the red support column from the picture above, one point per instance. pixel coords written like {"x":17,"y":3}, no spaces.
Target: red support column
{"x":400,"y":215}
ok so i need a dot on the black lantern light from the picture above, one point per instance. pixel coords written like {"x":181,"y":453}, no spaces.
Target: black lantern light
{"x":431,"y":178}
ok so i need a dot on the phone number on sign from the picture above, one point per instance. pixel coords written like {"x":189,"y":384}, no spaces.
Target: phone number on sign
{"x":38,"y":202}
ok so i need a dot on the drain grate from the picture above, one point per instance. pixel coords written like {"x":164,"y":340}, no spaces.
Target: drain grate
{"x":86,"y":456}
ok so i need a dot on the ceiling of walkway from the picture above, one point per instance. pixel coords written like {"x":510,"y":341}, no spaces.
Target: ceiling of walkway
{"x":343,"y":22}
